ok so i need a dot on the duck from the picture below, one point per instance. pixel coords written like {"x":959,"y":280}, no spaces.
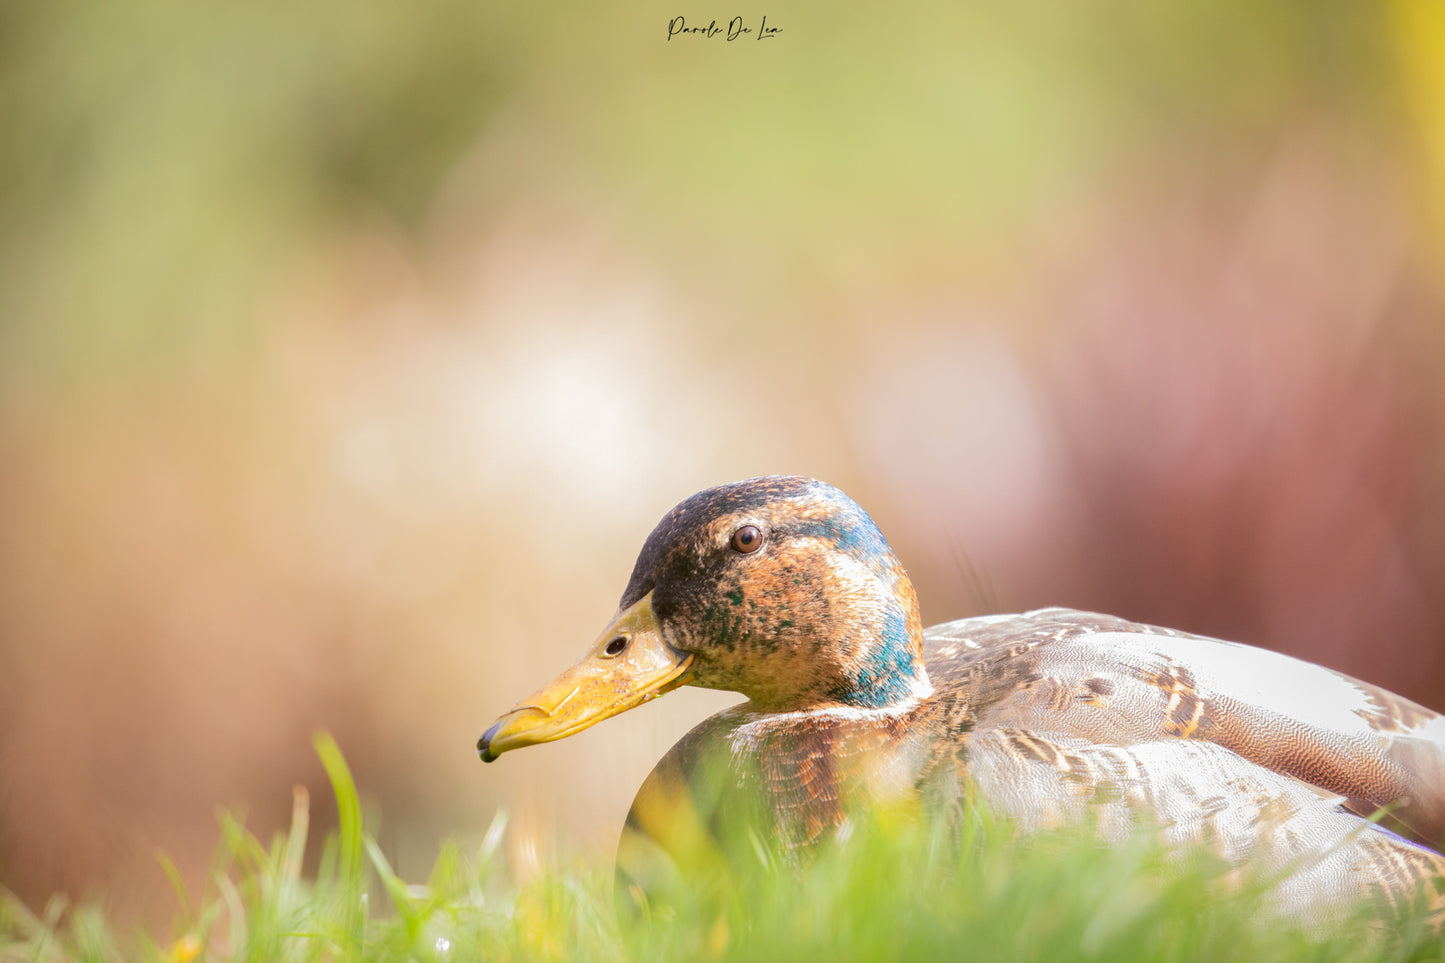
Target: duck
{"x":783,"y":589}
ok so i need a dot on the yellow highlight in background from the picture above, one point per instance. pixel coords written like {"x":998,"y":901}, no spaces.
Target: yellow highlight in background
{"x":1418,"y":28}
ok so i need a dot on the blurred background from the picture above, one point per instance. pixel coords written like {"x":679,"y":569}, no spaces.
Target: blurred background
{"x":348,"y":353}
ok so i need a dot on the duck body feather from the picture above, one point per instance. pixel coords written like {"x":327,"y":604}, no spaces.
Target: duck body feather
{"x":1059,"y":717}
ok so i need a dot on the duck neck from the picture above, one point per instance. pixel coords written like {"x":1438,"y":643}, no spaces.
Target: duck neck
{"x":883,"y":665}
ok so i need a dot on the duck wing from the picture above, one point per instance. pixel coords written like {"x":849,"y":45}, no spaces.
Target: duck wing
{"x":1053,"y":681}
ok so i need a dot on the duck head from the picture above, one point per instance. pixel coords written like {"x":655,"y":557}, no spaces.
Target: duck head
{"x":780,"y":588}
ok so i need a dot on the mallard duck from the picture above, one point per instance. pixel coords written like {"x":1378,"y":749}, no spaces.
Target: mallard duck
{"x":783,"y":589}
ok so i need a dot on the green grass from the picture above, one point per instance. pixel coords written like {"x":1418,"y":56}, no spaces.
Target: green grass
{"x":889,"y":893}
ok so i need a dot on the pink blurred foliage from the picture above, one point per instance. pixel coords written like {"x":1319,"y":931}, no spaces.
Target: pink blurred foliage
{"x":1223,"y":414}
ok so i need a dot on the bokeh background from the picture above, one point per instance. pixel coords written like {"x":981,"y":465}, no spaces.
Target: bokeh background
{"x":348,"y":352}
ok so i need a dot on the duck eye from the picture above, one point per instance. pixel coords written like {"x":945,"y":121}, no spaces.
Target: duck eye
{"x":747,"y":539}
{"x":616,"y":646}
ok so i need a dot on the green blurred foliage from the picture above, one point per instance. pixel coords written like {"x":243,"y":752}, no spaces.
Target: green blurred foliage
{"x":165,"y":164}
{"x":893,"y":891}
{"x":162,"y":160}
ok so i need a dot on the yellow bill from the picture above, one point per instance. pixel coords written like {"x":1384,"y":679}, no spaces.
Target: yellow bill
{"x":628,"y":665}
